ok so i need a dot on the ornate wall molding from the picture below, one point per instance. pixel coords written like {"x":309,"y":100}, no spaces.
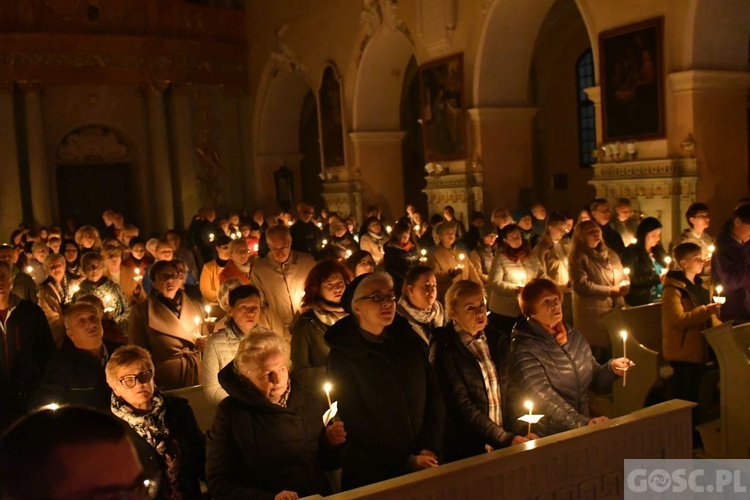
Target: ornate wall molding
{"x":286,"y":59}
{"x":92,"y":144}
{"x":462,"y":191}
{"x":381,"y":15}
{"x":344,"y":197}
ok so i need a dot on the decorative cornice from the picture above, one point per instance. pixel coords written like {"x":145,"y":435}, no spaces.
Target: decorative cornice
{"x":453,"y":181}
{"x":502,"y":115}
{"x":378,"y":137}
{"x":697,"y":80}
{"x":286,"y":59}
{"x":381,"y":15}
{"x":646,"y":169}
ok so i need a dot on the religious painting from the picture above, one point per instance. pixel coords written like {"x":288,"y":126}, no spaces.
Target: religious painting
{"x":441,"y":86}
{"x":331,"y":120}
{"x":632,"y":81}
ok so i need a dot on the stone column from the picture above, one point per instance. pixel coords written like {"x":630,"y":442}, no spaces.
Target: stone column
{"x":163,"y":217}
{"x":378,"y":157}
{"x":184,"y":178}
{"x":40,"y":175}
{"x":11,"y":206}
{"x":712,"y":107}
{"x":504,"y":142}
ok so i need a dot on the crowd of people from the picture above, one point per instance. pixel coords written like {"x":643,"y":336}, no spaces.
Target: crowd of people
{"x":431,"y":336}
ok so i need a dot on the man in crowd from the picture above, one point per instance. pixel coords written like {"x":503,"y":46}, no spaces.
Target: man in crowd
{"x":23,"y":284}
{"x":280,"y":276}
{"x":624,"y":222}
{"x":602,"y":215}
{"x":305,"y":233}
{"x":76,"y":373}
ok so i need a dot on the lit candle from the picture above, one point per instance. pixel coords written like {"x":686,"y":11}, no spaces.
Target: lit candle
{"x":626,"y":271}
{"x":423,"y":252}
{"x":29,"y":269}
{"x":208,"y":310}
{"x":668,"y":260}
{"x":388,"y":229}
{"x":718,"y":298}
{"x":461,"y":256}
{"x":233,"y":236}
{"x":711,"y":250}
{"x":255,"y":247}
{"x":320,"y":225}
{"x":327,"y":387}
{"x":529,"y":406}
{"x":289,"y":223}
{"x":138,"y":276}
{"x":211,"y":237}
{"x":348,"y":253}
{"x":325,"y":242}
{"x":417,"y":228}
{"x":76,"y":288}
{"x":108,"y":303}
{"x":197,"y":320}
{"x":624,"y":336}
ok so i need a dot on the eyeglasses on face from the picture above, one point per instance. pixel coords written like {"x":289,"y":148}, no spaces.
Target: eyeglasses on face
{"x":380,"y":298}
{"x":144,"y":377}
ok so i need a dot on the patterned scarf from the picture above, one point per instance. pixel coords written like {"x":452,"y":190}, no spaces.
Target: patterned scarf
{"x":152,"y":427}
{"x":481,"y":351}
{"x":328,"y":317}
{"x":422,"y":321}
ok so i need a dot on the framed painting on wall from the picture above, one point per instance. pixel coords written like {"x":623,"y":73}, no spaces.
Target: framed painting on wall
{"x":631,"y":75}
{"x":441,"y":85}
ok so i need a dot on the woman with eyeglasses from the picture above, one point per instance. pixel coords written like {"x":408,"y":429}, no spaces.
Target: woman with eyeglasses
{"x":321,"y":304}
{"x":385,"y":386}
{"x":170,"y":325}
{"x":243,"y":311}
{"x":165,"y":424}
{"x":419,"y":304}
{"x":471,"y":360}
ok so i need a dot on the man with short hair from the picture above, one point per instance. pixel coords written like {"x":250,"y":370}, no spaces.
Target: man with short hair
{"x":306,"y":235}
{"x":35,"y":264}
{"x":699,"y":219}
{"x":73,"y":452}
{"x":281,"y":276}
{"x":624,"y":222}
{"x":76,"y":373}
{"x":601,"y":212}
{"x":23,"y":284}
{"x":26,"y":346}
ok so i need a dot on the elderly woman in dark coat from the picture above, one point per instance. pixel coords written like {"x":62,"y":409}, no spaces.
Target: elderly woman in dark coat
{"x":170,"y":438}
{"x":552,"y":362}
{"x":385,"y":385}
{"x":471,"y":360}
{"x":268,"y":439}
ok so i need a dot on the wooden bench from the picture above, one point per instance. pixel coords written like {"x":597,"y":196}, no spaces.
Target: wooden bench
{"x":644,"y":346}
{"x":204,"y":411}
{"x":582,"y":463}
{"x":732,"y":347}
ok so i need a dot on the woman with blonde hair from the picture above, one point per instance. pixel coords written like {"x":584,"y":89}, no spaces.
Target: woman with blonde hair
{"x":599,"y":285}
{"x":88,"y":240}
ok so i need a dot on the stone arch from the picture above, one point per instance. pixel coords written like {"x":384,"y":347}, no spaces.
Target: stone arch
{"x":277,"y":124}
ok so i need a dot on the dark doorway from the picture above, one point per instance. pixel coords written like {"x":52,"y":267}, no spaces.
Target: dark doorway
{"x":85,"y":191}
{"x":309,"y":146}
{"x":413,"y":147}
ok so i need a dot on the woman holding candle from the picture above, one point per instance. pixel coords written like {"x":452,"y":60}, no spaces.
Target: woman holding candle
{"x":165,"y":325}
{"x":686,"y":311}
{"x":341,"y":243}
{"x":599,"y":285}
{"x":125,"y":276}
{"x":512,"y":268}
{"x":69,"y":249}
{"x":268,"y":440}
{"x":471,"y":361}
{"x":116,"y":305}
{"x":400,"y":254}
{"x":387,"y":392}
{"x":321,"y":306}
{"x":450,"y":260}
{"x":165,"y":424}
{"x":88,"y":240}
{"x":646,"y":260}
{"x":374,"y":239}
{"x":553,"y":363}
{"x":360,"y":262}
{"x":419,"y":304}
{"x":553,"y":251}
{"x":55,"y":293}
{"x":242,"y":320}
{"x":484,"y":253}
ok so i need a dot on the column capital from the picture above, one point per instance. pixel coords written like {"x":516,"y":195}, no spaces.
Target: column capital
{"x":154,"y":87}
{"x":31,"y":87}
{"x":502,"y":115}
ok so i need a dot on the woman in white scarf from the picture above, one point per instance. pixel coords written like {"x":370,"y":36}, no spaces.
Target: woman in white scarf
{"x":419,"y":304}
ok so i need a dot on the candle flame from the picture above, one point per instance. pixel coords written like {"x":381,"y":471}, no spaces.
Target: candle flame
{"x":711,"y":248}
{"x":423,"y":252}
{"x":633,"y":241}
{"x":208,"y":310}
{"x":327,"y":387}
{"x":626,"y":271}
{"x":388,"y":229}
{"x":528,"y":405}
{"x":137,"y":271}
{"x":461,"y":256}
{"x":197,"y":320}
{"x":624,"y":335}
{"x":719,"y":289}
{"x":29,"y":269}
{"x":668,"y":260}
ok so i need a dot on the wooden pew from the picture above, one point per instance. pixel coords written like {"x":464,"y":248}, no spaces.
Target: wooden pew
{"x":644,"y":346}
{"x":732,"y":348}
{"x":204,"y":411}
{"x":582,"y":463}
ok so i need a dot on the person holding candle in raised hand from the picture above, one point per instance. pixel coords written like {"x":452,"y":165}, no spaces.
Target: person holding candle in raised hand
{"x":552,"y":362}
{"x":471,"y":361}
{"x":513,"y":266}
{"x":450,"y":259}
{"x":599,"y":284}
{"x":386,"y":389}
{"x":686,"y":311}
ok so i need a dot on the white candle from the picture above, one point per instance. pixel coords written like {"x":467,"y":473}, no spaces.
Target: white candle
{"x":348,"y":253}
{"x":197,"y":320}
{"x":388,"y":229}
{"x":255,"y":247}
{"x":624,"y":336}
{"x":718,"y":298}
{"x":325,"y":242}
{"x":327,"y":388}
{"x":208,"y":310}
{"x":667,"y":260}
{"x":29,"y":269}
{"x":529,"y":406}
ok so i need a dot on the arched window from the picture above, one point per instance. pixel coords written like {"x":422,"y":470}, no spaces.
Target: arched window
{"x":586,"y":116}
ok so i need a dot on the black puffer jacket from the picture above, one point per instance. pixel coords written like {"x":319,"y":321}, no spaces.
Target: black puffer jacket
{"x":257,"y":449}
{"x":557,"y":379}
{"x":468,"y":427}
{"x":388,"y":399}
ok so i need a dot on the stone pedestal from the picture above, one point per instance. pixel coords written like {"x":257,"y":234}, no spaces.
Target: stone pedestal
{"x":10,"y":188}
{"x":40,"y":175}
{"x":659,"y":188}
{"x":344,"y":197}
{"x":503,"y":139}
{"x":462,"y":191}
{"x":378,"y":158}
